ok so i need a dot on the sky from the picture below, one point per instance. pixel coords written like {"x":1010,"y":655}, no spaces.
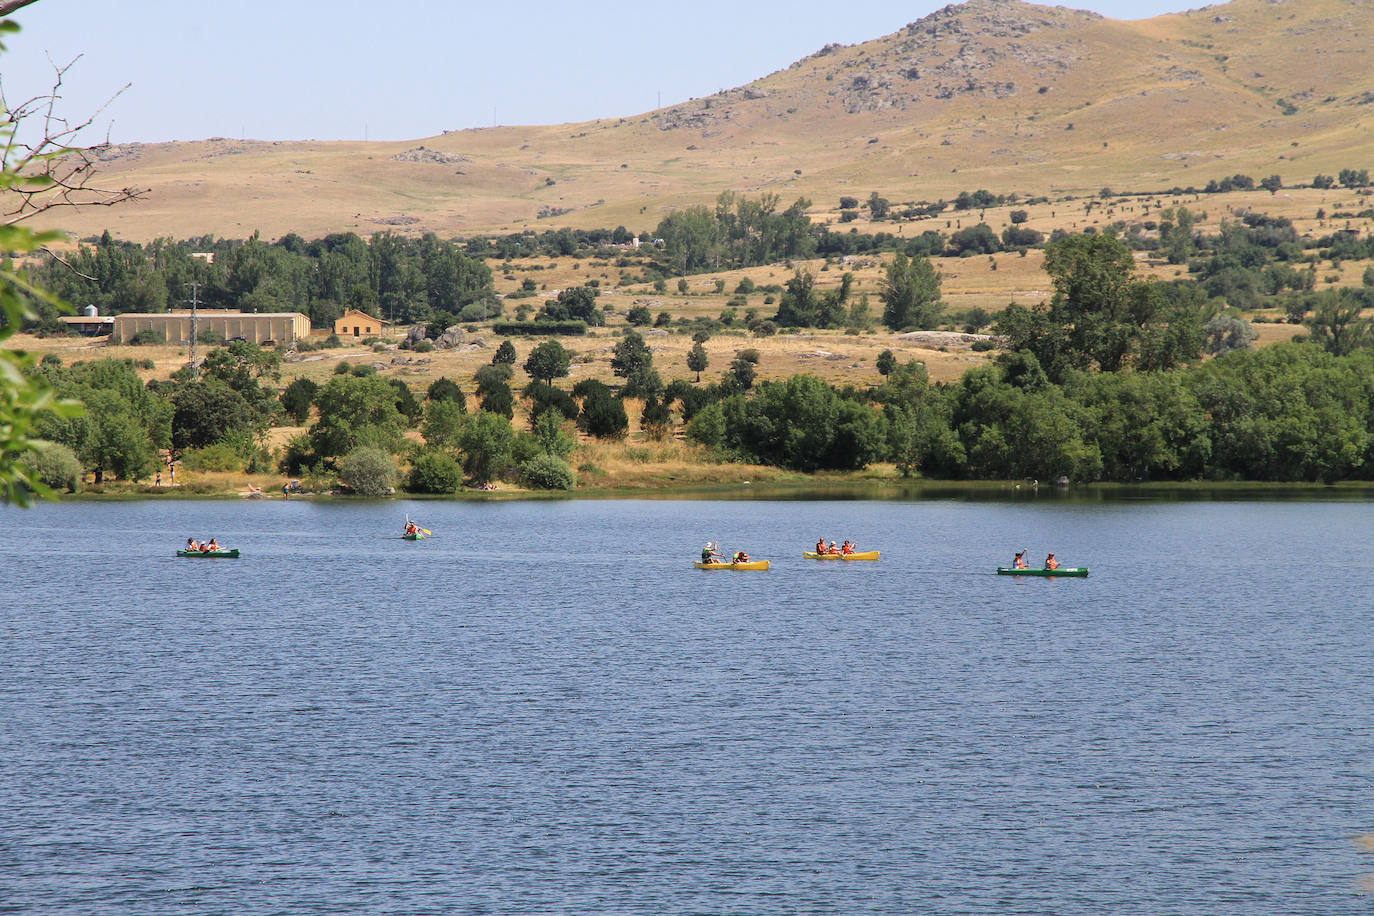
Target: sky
{"x":408,"y":69}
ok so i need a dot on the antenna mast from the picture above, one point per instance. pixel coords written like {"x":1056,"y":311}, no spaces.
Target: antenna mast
{"x":195,"y":369}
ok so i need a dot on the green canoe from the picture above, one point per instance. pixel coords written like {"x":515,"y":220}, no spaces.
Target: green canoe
{"x":228,"y":554}
{"x":415,"y":536}
{"x":1077,"y":572}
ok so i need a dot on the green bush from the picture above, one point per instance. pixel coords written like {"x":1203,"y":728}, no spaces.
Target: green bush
{"x":545,"y":472}
{"x":148,"y":336}
{"x":423,"y":346}
{"x":221,"y":456}
{"x":435,"y":472}
{"x":54,"y":465}
{"x":369,"y":471}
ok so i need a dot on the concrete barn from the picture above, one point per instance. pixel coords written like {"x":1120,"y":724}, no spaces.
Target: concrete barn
{"x":281,"y":328}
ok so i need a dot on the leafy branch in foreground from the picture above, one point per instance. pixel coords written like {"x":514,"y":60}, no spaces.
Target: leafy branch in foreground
{"x":38,"y":172}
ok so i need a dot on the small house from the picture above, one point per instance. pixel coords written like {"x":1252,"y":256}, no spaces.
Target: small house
{"x":358,"y":324}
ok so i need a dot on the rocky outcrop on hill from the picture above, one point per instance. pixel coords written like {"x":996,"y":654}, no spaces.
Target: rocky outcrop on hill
{"x":420,"y":154}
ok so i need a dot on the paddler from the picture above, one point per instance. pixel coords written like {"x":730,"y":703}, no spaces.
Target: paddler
{"x":709,"y":553}
{"x":410,"y":527}
{"x":740,"y":557}
{"x":847,"y":547}
{"x":820,"y":546}
{"x":1051,"y":562}
{"x":1020,"y":561}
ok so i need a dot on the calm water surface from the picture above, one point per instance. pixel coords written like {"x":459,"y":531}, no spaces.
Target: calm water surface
{"x":545,"y":709}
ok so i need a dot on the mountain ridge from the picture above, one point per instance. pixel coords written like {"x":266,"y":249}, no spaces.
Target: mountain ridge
{"x":997,"y":94}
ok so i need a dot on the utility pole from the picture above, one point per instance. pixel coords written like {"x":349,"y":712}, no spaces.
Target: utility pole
{"x":195,"y":370}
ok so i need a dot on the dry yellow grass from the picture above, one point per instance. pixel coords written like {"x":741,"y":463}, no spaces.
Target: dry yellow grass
{"x":1004,"y":96}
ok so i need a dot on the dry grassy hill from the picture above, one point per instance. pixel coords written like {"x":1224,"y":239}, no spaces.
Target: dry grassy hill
{"x":994,"y":94}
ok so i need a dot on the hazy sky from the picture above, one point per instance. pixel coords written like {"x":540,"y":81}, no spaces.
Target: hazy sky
{"x":405,"y":69}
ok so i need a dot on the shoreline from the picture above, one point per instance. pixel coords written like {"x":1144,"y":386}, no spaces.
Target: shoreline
{"x":799,"y":489}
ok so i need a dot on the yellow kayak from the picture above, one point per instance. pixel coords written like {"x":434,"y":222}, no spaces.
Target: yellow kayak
{"x":865,"y":555}
{"x":752,"y":564}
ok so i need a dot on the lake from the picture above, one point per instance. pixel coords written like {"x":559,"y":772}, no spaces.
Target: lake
{"x":545,"y":709}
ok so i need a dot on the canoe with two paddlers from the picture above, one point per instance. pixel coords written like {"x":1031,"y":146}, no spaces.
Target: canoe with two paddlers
{"x":1075,"y":572}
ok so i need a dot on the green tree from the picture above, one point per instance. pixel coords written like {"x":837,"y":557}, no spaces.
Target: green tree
{"x":297,"y":398}
{"x":207,"y":412}
{"x":911,"y":293}
{"x":1336,"y":323}
{"x":353,"y":411}
{"x":434,"y":472}
{"x":656,"y":419}
{"x":54,"y":465}
{"x":369,"y":471}
{"x":486,"y":444}
{"x":445,"y":389}
{"x":548,"y":361}
{"x":886,"y":362}
{"x":633,"y":361}
{"x":697,"y":360}
{"x":878,"y":206}
{"x":443,"y":424}
{"x":797,"y":306}
{"x":552,"y":438}
{"x":603,"y":415}
{"x":504,"y":353}
{"x":493,"y":389}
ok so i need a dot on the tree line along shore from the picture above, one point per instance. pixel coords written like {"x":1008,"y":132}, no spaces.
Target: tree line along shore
{"x":1122,"y":371}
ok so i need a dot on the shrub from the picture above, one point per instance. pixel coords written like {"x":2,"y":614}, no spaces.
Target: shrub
{"x":221,"y":456}
{"x":435,"y":472}
{"x":332,"y":342}
{"x":982,"y":346}
{"x":369,"y":471}
{"x":445,"y":389}
{"x":423,"y":346}
{"x":545,"y":472}
{"x":148,"y":336}
{"x":55,"y":466}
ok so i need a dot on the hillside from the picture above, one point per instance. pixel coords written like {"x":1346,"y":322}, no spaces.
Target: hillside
{"x":995,"y":94}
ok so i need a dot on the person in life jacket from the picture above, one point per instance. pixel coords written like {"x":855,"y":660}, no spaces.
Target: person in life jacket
{"x":820,"y":546}
{"x":709,"y":553}
{"x":847,"y":547}
{"x":1020,"y":561}
{"x":410,"y":527}
{"x":740,"y":557}
{"x":1051,"y":562}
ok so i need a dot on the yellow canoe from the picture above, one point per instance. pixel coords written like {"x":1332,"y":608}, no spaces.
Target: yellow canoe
{"x":865,"y":555}
{"x":752,"y":564}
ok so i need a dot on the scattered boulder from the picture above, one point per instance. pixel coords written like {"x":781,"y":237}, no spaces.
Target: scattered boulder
{"x":453,"y":336}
